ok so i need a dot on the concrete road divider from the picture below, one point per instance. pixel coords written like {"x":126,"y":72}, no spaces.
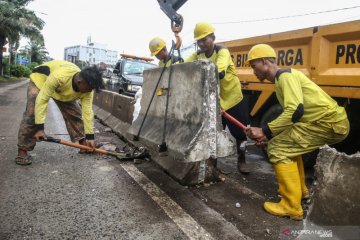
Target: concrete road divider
{"x":105,"y":100}
{"x":336,"y":197}
{"x":194,"y":135}
{"x":114,"y":110}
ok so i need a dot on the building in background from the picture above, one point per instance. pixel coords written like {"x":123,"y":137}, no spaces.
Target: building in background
{"x":188,"y":49}
{"x":22,"y":59}
{"x":92,"y":53}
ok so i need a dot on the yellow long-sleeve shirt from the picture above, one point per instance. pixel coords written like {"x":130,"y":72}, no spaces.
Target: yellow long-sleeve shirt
{"x":54,"y":79}
{"x":230,"y":87}
{"x":302,"y":101}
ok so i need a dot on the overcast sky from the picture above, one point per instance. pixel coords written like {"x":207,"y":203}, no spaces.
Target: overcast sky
{"x":128,"y":26}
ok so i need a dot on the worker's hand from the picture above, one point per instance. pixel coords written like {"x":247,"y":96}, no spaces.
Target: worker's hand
{"x":86,"y":142}
{"x":254,"y":133}
{"x":90,"y":143}
{"x":261,"y":142}
{"x":40,"y":135}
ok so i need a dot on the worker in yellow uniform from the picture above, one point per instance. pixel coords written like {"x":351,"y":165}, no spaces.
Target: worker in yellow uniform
{"x":65,"y":83}
{"x":158,"y":49}
{"x":231,"y":97}
{"x":310,"y":119}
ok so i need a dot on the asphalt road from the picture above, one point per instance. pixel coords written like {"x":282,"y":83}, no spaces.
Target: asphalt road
{"x":67,"y":195}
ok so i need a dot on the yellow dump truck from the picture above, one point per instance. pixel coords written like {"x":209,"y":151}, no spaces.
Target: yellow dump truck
{"x":329,"y":55}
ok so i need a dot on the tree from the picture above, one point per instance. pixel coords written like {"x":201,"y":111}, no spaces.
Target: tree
{"x":37,"y":52}
{"x":15,"y":22}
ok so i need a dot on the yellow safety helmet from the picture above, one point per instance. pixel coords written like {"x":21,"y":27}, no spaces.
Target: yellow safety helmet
{"x":261,"y":51}
{"x":203,"y":29}
{"x":156,"y":45}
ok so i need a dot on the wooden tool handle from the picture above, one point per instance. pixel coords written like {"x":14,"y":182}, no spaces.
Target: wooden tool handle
{"x":83,"y":147}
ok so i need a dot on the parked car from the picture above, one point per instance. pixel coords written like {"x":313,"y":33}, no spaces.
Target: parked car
{"x":130,"y":69}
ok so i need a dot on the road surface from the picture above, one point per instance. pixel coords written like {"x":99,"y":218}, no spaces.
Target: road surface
{"x":67,"y":195}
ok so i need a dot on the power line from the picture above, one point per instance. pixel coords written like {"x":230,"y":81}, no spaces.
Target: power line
{"x":290,"y":16}
{"x":40,"y":12}
{"x":348,"y":18}
{"x":230,"y":38}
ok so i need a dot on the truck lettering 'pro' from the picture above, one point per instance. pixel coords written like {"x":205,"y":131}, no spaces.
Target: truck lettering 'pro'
{"x":351,"y":53}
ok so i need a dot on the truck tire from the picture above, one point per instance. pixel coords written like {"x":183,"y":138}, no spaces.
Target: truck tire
{"x":309,"y":159}
{"x":273,"y":112}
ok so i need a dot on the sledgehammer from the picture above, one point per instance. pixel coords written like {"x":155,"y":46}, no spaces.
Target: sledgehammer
{"x":237,"y":123}
{"x":119,"y":155}
{"x":233,"y":120}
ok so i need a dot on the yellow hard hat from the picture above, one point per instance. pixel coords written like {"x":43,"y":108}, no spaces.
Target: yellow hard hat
{"x":203,"y":29}
{"x":261,"y":51}
{"x":156,"y":45}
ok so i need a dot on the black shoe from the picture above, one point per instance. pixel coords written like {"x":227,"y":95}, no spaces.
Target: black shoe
{"x":241,"y":164}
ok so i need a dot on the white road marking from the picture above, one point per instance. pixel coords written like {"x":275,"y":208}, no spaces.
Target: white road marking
{"x":183,"y":220}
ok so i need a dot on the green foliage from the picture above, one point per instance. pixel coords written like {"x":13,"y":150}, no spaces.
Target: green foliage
{"x":6,"y":66}
{"x":32,"y":65}
{"x":20,"y":71}
{"x":7,"y":79}
{"x":17,"y":21}
{"x":37,"y":52}
{"x":27,"y":71}
{"x":17,"y":70}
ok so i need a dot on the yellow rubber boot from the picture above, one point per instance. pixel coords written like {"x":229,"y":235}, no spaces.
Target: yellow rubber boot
{"x":304,"y":190}
{"x":290,"y":190}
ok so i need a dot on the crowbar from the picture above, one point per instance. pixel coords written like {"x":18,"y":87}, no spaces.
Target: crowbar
{"x":119,"y":155}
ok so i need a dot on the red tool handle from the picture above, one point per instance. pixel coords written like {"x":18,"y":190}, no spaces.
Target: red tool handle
{"x":233,"y":120}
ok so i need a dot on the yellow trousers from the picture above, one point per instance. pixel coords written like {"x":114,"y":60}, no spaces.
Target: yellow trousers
{"x":303,"y":137}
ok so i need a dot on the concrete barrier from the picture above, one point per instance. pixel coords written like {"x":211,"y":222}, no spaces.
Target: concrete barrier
{"x":123,"y":108}
{"x":194,"y":135}
{"x":114,"y":110}
{"x":336,"y":198}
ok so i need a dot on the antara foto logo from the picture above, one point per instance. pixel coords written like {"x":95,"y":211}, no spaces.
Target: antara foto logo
{"x":286,"y":232}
